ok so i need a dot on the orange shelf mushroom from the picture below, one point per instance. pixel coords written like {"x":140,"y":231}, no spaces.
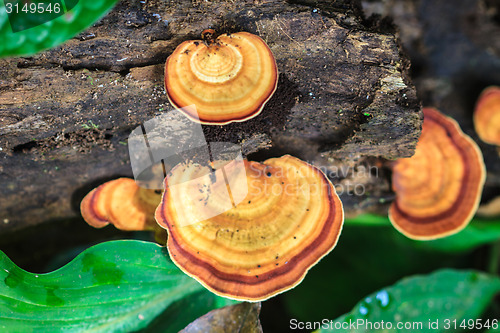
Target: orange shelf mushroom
{"x":227,"y":79}
{"x":289,"y":219}
{"x":487,"y":116}
{"x":438,"y":189}
{"x":122,"y":203}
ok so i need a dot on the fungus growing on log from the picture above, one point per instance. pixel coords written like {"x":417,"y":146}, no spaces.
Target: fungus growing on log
{"x":487,"y":116}
{"x":438,"y":189}
{"x":290,"y":218}
{"x":227,"y":79}
{"x":122,"y":203}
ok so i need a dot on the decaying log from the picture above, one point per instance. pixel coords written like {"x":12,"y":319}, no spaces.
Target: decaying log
{"x":66,"y":113}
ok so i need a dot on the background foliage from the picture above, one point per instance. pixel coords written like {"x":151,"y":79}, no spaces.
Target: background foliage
{"x":82,"y":14}
{"x":118,"y":286}
{"x":130,"y":285}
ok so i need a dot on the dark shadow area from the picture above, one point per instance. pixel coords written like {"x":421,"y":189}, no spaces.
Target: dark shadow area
{"x":273,"y":116}
{"x":265,"y":154}
{"x":274,"y":317}
{"x":51,"y":244}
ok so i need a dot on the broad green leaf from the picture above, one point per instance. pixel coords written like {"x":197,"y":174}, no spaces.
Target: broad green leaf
{"x":79,"y":16}
{"x":365,"y":259}
{"x":118,"y":286}
{"x":423,"y":303}
{"x":478,"y":232}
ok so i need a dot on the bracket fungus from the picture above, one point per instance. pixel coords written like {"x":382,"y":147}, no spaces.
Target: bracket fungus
{"x":122,"y":203}
{"x":438,"y":189}
{"x":289,"y":219}
{"x":227,"y":79}
{"x":487,"y":116}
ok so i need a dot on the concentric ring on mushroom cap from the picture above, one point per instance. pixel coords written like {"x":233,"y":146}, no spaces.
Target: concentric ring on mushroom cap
{"x":228,"y":80}
{"x":438,"y":189}
{"x":487,"y":116}
{"x":122,"y":203}
{"x":290,"y":218}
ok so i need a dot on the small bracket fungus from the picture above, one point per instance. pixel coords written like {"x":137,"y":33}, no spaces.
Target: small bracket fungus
{"x":487,"y":116}
{"x":290,"y":218}
{"x":438,"y":189}
{"x":228,"y":79}
{"x":122,"y":203}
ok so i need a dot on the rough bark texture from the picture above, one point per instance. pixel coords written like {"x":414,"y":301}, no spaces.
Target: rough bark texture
{"x":65,"y":114}
{"x":455,"y":53}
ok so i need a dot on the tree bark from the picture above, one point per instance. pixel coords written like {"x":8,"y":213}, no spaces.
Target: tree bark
{"x":66,"y":113}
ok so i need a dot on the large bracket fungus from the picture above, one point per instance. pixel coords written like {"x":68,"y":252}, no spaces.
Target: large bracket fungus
{"x":289,"y":219}
{"x":438,"y":189}
{"x":122,"y":203}
{"x":227,"y":79}
{"x":487,"y":116}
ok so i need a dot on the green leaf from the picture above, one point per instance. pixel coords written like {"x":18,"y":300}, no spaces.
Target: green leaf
{"x":50,"y":33}
{"x":422,"y":300}
{"x":479,"y":232}
{"x":365,"y":259}
{"x":118,"y":286}
{"x":368,"y":219}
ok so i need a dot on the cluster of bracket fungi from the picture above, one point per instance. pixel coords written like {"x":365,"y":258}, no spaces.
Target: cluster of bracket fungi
{"x":266,"y":244}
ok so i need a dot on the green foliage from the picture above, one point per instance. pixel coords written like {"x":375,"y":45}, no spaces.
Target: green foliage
{"x":366,"y":258}
{"x":438,"y":298}
{"x":370,"y":255}
{"x":125,"y":286}
{"x":118,"y":286}
{"x":478,"y":232}
{"x":368,"y":219}
{"x":50,"y":33}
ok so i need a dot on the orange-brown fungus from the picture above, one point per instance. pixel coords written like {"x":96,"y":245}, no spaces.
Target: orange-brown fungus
{"x":122,"y":203}
{"x":487,"y":116}
{"x":227,"y":79}
{"x":289,"y":219}
{"x":438,"y":189}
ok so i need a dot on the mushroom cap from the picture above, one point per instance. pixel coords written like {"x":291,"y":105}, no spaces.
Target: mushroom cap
{"x":122,"y":203}
{"x":229,"y":79}
{"x":487,"y":115}
{"x":290,"y":218}
{"x":438,"y":189}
